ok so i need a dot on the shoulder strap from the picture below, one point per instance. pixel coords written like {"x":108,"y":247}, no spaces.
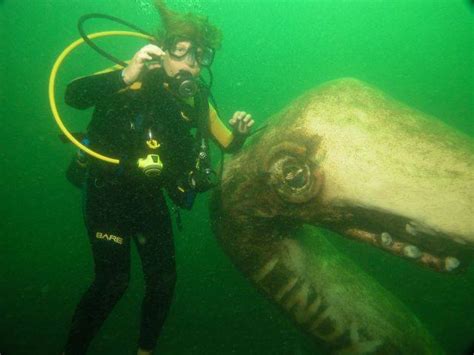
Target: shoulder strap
{"x":201,"y":104}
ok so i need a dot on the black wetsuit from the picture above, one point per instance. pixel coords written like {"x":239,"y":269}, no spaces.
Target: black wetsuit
{"x":121,"y":203}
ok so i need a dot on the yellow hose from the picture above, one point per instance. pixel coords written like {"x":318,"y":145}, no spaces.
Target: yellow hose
{"x":52,"y":83}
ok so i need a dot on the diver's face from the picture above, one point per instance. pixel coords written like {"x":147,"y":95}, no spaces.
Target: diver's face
{"x":173,"y":64}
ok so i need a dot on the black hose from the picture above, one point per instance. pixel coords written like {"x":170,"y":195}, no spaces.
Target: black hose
{"x":99,"y":50}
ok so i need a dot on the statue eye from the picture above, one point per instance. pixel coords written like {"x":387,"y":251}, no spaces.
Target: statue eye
{"x":293,"y":173}
{"x":292,"y":178}
{"x":295,"y":176}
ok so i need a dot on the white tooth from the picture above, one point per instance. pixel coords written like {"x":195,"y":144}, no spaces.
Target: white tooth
{"x":411,"y":251}
{"x":451,"y":263}
{"x":411,"y":229}
{"x":386,"y":239}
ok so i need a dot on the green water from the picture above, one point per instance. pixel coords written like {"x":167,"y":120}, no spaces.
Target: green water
{"x":420,"y":52}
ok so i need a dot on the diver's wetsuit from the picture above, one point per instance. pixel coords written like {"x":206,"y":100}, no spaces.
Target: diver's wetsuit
{"x":121,"y":203}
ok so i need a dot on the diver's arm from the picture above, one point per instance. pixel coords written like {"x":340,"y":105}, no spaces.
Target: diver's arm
{"x":229,"y":141}
{"x":87,"y":91}
{"x":237,"y":142}
{"x":220,"y":134}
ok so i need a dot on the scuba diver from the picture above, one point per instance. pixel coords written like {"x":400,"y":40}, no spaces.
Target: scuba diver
{"x":156,"y":117}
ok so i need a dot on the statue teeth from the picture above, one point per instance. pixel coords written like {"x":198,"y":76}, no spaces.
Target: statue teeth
{"x":386,"y":239}
{"x":451,"y":263}
{"x":411,"y":251}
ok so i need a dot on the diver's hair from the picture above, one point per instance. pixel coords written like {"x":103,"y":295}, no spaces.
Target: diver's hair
{"x":187,"y":26}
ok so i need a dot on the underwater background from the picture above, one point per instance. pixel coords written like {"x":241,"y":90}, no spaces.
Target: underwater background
{"x":421,"y":52}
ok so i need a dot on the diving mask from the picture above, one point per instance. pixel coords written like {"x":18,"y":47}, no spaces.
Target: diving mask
{"x":182,"y":49}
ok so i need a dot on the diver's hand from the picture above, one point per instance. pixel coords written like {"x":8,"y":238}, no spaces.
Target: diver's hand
{"x":241,"y":123}
{"x":141,"y":62}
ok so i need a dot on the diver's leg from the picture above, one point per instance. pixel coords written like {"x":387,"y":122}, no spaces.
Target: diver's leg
{"x":111,"y":251}
{"x":112,"y":263}
{"x":156,"y":249}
